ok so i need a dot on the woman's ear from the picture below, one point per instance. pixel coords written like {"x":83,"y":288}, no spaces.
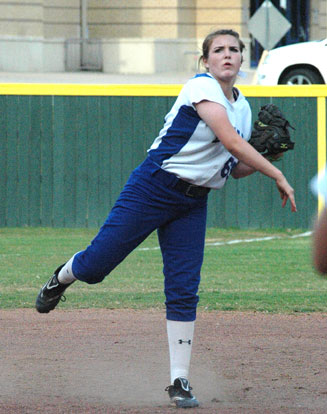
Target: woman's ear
{"x":205,"y":63}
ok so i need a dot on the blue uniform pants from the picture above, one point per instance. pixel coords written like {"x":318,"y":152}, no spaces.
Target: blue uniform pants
{"x":149,"y":202}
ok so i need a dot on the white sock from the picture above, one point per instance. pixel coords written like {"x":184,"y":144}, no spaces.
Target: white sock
{"x":180,"y":340}
{"x":66,"y":274}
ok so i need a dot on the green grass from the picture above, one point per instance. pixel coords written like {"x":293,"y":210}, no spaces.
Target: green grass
{"x":266,"y":276}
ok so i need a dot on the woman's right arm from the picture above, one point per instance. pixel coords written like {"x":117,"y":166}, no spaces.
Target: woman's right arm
{"x":215,"y":116}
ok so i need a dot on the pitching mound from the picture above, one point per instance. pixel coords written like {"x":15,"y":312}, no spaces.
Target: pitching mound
{"x":114,"y":362}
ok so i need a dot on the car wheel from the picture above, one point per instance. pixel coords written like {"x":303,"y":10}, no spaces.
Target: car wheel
{"x":301,"y":77}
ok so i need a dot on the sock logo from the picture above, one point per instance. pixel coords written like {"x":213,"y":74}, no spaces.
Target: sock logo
{"x":180,"y":341}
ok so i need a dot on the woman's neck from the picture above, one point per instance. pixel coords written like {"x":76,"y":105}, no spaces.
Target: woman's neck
{"x":228,"y":90}
{"x":227,"y":86}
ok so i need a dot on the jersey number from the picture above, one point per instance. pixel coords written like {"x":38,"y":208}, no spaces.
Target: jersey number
{"x":227,"y":169}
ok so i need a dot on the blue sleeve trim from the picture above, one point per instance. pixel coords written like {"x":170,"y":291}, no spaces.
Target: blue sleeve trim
{"x":177,"y":135}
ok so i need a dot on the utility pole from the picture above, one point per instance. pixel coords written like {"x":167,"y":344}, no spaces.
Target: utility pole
{"x":84,"y":30}
{"x":266,"y":5}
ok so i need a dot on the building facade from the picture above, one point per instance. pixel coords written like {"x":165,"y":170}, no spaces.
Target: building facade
{"x":134,"y":36}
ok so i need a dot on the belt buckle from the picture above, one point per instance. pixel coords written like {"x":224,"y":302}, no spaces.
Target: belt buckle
{"x":188,"y":189}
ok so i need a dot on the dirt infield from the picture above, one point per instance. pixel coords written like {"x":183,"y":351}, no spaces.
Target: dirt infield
{"x":110,"y":361}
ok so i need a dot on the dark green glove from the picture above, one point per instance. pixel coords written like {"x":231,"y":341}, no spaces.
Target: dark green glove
{"x":270,"y":134}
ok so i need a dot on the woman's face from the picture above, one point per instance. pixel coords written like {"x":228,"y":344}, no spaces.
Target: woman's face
{"x":224,"y":58}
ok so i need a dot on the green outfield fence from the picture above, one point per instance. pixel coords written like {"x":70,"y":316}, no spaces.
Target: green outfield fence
{"x":67,"y":150}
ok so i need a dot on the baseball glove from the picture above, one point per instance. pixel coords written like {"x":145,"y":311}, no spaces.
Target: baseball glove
{"x":270,"y":134}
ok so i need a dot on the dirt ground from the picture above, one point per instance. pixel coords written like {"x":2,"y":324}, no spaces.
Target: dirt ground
{"x":116,"y":362}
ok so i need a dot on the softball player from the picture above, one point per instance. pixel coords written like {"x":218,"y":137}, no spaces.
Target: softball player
{"x":319,"y":236}
{"x":203,"y":142}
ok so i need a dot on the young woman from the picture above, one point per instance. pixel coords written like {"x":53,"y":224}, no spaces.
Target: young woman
{"x":202,"y":142}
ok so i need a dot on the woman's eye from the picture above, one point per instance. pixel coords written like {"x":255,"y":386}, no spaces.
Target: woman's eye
{"x":232,"y":49}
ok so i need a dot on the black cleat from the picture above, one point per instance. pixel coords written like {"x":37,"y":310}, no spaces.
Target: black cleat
{"x":180,"y":394}
{"x":51,"y":293}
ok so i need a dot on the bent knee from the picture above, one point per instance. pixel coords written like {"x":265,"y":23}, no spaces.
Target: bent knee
{"x":92,"y":277}
{"x":89,"y":272}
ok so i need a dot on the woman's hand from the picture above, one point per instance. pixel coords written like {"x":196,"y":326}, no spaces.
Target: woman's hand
{"x":286,"y":192}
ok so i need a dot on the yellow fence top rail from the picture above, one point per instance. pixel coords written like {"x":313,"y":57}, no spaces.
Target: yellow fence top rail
{"x":150,"y":90}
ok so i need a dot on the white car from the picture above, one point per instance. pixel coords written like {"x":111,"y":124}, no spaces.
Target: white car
{"x":299,"y":64}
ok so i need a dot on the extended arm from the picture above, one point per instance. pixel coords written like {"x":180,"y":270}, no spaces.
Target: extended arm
{"x":320,"y":242}
{"x":215,"y":116}
{"x":242,"y":170}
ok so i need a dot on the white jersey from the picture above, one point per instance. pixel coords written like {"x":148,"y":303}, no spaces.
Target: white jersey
{"x":187,"y":147}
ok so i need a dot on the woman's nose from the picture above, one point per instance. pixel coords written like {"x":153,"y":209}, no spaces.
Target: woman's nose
{"x":227,"y":52}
